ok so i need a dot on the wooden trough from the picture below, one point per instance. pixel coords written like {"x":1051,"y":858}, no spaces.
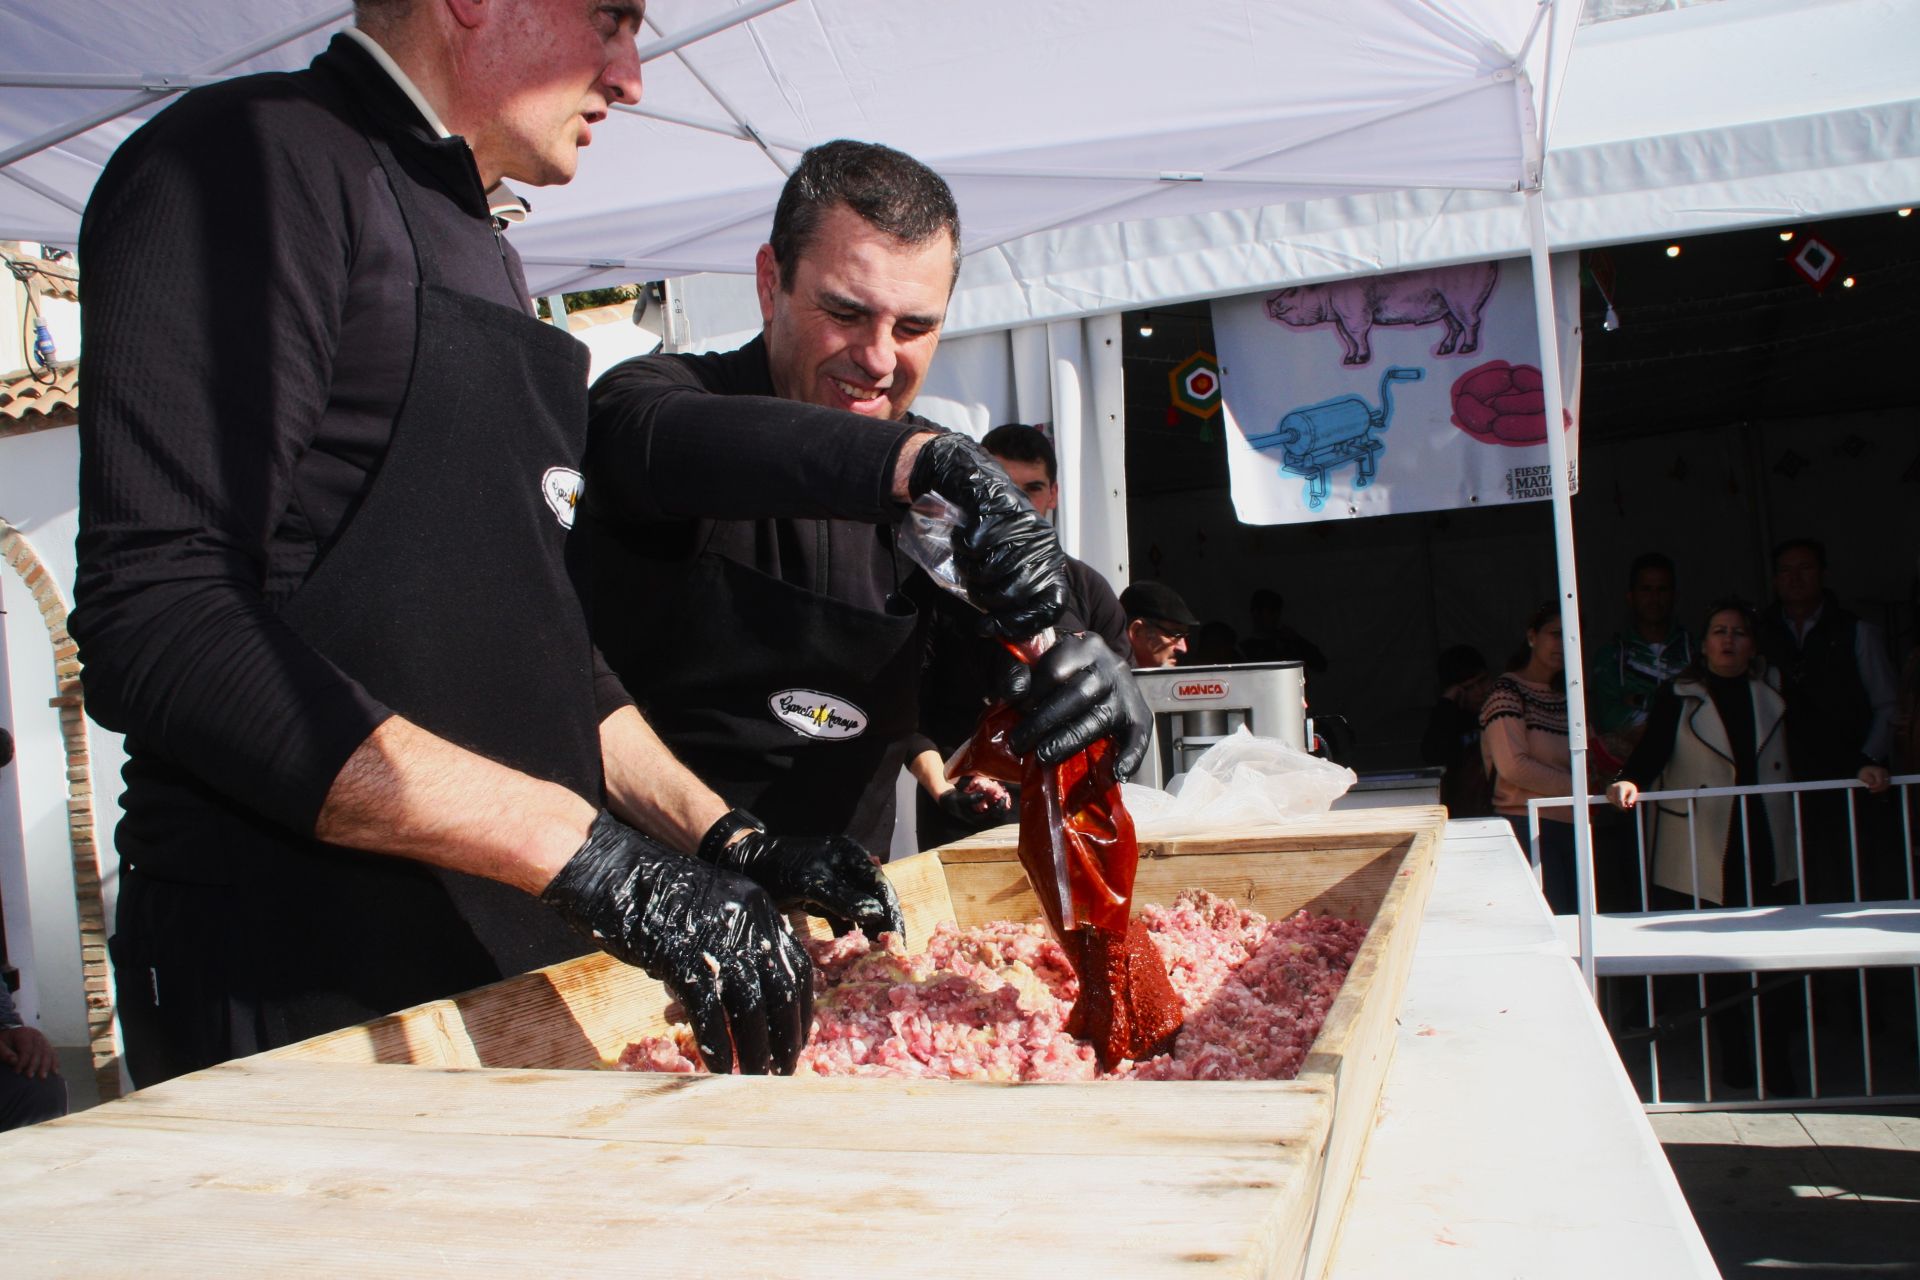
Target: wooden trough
{"x":476,"y":1136}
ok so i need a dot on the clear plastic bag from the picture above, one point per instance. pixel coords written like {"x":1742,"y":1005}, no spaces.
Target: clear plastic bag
{"x":926,"y":535}
{"x":1241,"y":783}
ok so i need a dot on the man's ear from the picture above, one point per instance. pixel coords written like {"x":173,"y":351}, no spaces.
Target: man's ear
{"x":469,"y":13}
{"x":766,"y":280}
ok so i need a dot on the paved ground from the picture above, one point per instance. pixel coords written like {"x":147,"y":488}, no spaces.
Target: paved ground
{"x":1819,"y":1193}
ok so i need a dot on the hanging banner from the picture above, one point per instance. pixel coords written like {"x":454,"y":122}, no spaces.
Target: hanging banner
{"x":1418,"y":391}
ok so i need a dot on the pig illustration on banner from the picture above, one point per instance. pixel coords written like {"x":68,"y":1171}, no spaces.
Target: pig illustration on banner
{"x":1450,"y":296}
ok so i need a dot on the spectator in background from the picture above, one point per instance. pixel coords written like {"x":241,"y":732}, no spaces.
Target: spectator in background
{"x":31,"y":1089}
{"x":1523,"y":744}
{"x":1212,"y":644}
{"x":1629,"y":667}
{"x":1839,"y":684}
{"x":1841,"y":703}
{"x":1452,"y":738}
{"x":1721,"y":725}
{"x":1273,"y":640}
{"x":1906,"y":720}
{"x":1027,"y":456}
{"x":1158,"y":623}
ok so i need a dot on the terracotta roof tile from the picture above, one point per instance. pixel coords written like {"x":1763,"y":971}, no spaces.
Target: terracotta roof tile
{"x":32,"y":404}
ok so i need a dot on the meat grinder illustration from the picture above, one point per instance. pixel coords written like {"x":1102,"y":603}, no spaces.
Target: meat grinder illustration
{"x":1315,"y":440}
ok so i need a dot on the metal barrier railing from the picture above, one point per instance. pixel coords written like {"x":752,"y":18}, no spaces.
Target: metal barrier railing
{"x":1661,"y":1028}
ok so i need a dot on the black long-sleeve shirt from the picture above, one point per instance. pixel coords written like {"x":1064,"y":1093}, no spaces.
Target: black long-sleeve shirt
{"x":692,"y":452}
{"x":249,"y":328}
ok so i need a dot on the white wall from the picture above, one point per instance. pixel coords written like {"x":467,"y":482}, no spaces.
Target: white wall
{"x":39,"y":496}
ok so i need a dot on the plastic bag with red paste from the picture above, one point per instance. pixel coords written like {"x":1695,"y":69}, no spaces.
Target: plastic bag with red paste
{"x":1078,"y":850}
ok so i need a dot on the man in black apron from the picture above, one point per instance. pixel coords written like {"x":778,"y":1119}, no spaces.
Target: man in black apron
{"x":758,"y":615}
{"x":326,"y":587}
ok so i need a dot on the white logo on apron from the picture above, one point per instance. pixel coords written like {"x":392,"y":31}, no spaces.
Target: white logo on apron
{"x":562,"y":486}
{"x":813,"y":714}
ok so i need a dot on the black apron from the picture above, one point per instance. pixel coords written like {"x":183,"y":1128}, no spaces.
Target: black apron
{"x":450,"y":595}
{"x":787,"y":702}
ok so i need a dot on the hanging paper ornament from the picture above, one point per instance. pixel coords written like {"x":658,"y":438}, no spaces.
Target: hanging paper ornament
{"x":1817,"y":262}
{"x":1600,"y":272}
{"x":1194,"y":387}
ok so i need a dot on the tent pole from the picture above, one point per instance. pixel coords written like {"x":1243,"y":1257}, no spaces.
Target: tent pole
{"x":1569,"y":584}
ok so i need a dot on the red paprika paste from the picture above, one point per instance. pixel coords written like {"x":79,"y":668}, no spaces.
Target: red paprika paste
{"x":1078,"y":850}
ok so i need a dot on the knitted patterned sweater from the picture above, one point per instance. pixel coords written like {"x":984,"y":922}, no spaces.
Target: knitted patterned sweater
{"x":1523,"y":741}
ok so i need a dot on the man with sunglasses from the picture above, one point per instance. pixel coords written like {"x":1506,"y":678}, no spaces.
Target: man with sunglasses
{"x":1158,"y":621}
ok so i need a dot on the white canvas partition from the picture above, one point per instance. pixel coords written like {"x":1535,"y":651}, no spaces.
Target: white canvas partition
{"x":1068,"y":376}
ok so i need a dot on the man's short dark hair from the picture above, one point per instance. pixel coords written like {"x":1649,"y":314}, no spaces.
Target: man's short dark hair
{"x":1814,"y":545}
{"x":1018,"y":442}
{"x":891,"y":191}
{"x":1648,"y":560}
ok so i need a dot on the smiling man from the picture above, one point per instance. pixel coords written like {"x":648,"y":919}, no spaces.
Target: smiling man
{"x":742,"y":506}
{"x":320,"y":645}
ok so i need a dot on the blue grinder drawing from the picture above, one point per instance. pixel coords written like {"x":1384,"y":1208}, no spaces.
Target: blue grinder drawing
{"x":1316,"y":439}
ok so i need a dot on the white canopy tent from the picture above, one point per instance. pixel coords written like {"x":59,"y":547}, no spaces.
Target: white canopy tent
{"x":1057,"y":114}
{"x":1110,"y":153}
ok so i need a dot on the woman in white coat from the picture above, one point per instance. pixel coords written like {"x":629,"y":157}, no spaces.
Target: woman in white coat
{"x":1718,"y":724}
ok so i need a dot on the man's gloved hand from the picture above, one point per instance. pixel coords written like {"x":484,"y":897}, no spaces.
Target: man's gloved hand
{"x":1009,"y":559}
{"x":829,"y":876}
{"x":976,"y":811}
{"x":714,"y":938}
{"x":1076,"y":694}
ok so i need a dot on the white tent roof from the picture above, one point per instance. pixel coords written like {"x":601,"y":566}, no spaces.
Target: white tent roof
{"x":1042,"y":113}
{"x":1722,"y":115}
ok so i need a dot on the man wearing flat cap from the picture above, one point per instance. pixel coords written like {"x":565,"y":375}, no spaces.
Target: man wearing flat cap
{"x":1158,"y":622}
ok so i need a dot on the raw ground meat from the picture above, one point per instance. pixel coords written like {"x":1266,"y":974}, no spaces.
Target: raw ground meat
{"x":990,"y":1003}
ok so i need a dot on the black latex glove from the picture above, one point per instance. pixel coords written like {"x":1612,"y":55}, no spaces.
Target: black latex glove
{"x":828,"y":876}
{"x":1008,"y":558}
{"x":1076,"y":694}
{"x":974,"y":812}
{"x":714,"y":938}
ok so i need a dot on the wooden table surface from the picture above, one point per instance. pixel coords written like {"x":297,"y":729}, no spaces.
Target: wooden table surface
{"x":280,"y":1166}
{"x":284,"y":1163}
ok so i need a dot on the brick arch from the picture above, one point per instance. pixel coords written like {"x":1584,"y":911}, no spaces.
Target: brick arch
{"x":81,"y":834}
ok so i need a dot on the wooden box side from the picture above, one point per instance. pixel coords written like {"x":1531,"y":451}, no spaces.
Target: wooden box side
{"x":576,"y":1015}
{"x":1355,"y":1045}
{"x":1339,"y":864}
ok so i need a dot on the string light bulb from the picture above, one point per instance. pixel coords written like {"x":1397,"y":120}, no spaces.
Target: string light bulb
{"x":1146,"y":330}
{"x":1847,"y":283}
{"x":1673,"y":251}
{"x":1904,"y":213}
{"x":1786,"y":235}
